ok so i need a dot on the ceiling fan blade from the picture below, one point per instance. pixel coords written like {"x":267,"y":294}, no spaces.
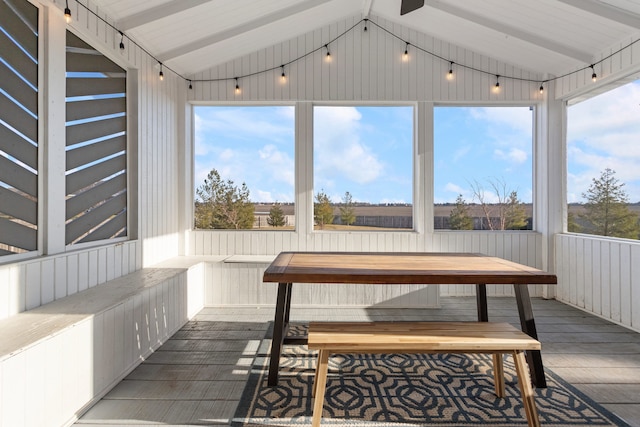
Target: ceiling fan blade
{"x":410,"y":5}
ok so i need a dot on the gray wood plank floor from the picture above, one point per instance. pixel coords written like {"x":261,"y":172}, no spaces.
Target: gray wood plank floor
{"x":197,"y":377}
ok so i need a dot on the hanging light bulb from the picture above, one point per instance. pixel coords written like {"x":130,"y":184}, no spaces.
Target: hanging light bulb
{"x":365,"y":23}
{"x":541,"y":88}
{"x":450,"y":73}
{"x":121,"y":40}
{"x":405,"y":55}
{"x":67,"y":12}
{"x":594,"y":77}
{"x":161,"y":74}
{"x":496,"y":88}
{"x":237,"y":87}
{"x":328,"y":56}
{"x":283,"y":76}
{"x":190,"y":85}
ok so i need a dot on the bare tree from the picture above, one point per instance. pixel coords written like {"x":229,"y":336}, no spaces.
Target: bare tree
{"x":497,"y":212}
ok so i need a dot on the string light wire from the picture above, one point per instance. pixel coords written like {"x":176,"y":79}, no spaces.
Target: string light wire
{"x":367,"y":22}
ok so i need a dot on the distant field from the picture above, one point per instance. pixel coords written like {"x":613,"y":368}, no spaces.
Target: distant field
{"x":440,"y":211}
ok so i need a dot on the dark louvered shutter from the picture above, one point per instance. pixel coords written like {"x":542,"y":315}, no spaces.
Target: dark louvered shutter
{"x":18,"y":127}
{"x":96,"y":206}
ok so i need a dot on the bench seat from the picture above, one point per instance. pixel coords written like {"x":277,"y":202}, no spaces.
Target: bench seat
{"x":424,"y":337}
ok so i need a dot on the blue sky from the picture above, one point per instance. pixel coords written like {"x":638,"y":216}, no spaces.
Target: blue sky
{"x":480,"y":146}
{"x":604,"y":132}
{"x":367,"y":150}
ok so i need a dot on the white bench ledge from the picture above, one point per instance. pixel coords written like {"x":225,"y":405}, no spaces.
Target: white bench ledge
{"x":251,"y":259}
{"x":189,"y":261}
{"x":28,"y":328}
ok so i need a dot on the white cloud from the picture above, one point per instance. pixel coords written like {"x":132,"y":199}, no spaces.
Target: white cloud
{"x":455,"y":188}
{"x":518,"y":119}
{"x":338,"y":148}
{"x":278,"y":164}
{"x":604,"y":132}
{"x":248,"y":145}
{"x":226,"y":155}
{"x":513,"y":156}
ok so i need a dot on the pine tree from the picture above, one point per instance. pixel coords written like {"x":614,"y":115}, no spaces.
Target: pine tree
{"x":607,"y":213}
{"x":276,"y":216}
{"x":572,"y":224}
{"x":459,"y":218}
{"x":347,"y":211}
{"x":515,"y":214}
{"x":223,"y":205}
{"x":322,"y":210}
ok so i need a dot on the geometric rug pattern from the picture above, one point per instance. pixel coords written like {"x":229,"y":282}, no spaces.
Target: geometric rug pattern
{"x":404,"y":390}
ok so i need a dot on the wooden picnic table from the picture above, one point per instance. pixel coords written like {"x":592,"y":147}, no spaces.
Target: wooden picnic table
{"x":377,"y":268}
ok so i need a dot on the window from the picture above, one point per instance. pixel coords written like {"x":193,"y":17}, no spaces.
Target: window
{"x":96,"y":154}
{"x":483,"y":168}
{"x":18,"y":127}
{"x":603,"y":158}
{"x":363,"y":167}
{"x":244,"y":167}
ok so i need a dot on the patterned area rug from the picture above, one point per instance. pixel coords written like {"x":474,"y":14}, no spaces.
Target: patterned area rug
{"x":406,"y":390}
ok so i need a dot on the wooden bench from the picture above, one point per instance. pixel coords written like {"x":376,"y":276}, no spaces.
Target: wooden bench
{"x":424,"y":337}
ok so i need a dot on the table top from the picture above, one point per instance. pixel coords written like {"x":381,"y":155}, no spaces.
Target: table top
{"x":401,"y":268}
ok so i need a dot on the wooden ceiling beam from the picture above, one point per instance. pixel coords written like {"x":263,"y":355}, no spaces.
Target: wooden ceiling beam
{"x":511,"y":31}
{"x":240,"y":29}
{"x":154,"y":14}
{"x":606,"y":11}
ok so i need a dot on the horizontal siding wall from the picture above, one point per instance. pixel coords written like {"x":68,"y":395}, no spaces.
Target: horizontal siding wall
{"x":365,"y":66}
{"x":601,"y":276}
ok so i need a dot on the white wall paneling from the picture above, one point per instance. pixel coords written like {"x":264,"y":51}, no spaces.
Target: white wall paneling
{"x":66,"y":355}
{"x":365,"y":66}
{"x":241,"y":283}
{"x":29,"y":284}
{"x":601,"y":276}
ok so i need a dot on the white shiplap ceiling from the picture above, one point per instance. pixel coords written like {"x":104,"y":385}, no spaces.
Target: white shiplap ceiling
{"x":543,"y":36}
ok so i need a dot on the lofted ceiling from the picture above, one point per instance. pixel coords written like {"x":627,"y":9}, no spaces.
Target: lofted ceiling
{"x":543,"y":36}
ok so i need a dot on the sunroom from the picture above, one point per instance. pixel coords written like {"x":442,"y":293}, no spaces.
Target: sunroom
{"x":485,"y":127}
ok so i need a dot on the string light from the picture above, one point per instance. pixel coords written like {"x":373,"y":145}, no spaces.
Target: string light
{"x":161,"y":74}
{"x":67,"y":15}
{"x":283,"y":77}
{"x":121,"y":40}
{"x":237,"y":86}
{"x":190,"y":85}
{"x":450,"y":73}
{"x":405,"y":56}
{"x":67,"y":12}
{"x":496,"y":88}
{"x":328,"y":53}
{"x":541,"y":88}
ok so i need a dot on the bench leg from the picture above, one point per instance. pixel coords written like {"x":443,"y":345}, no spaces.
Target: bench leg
{"x":319,"y":386}
{"x":498,"y":374}
{"x":525,"y":389}
{"x":315,"y":378}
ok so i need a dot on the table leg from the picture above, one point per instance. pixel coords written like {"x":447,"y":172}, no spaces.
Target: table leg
{"x":528,"y":325}
{"x":481,"y":302}
{"x":283,"y":304}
